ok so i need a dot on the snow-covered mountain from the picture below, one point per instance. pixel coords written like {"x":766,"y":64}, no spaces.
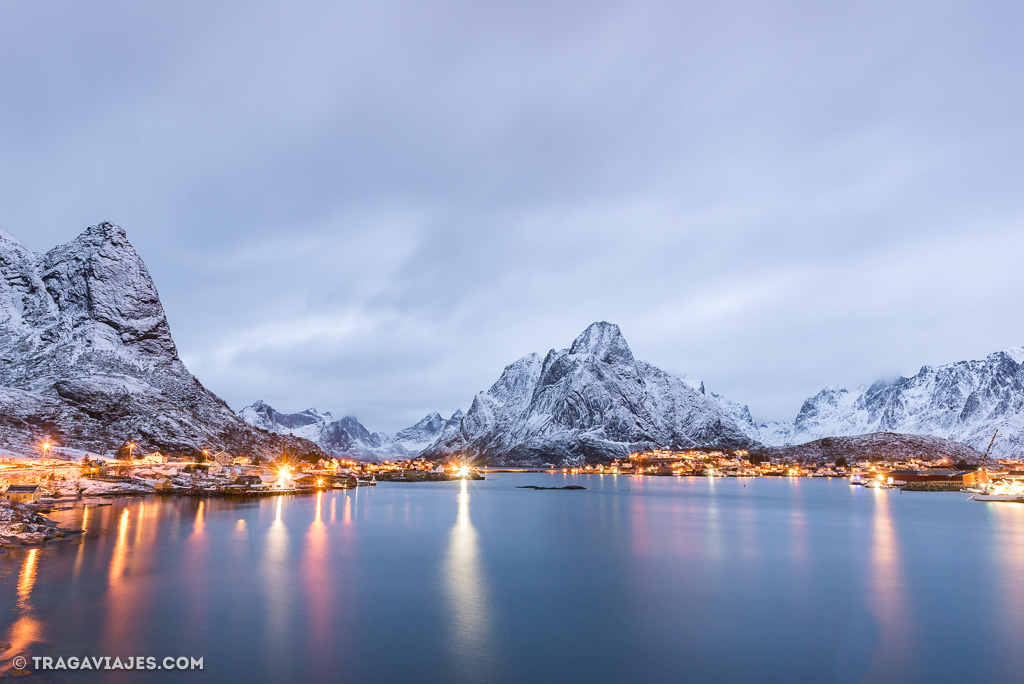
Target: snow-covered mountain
{"x":964,"y":401}
{"x":589,"y":402}
{"x":347,"y":437}
{"x":86,"y":356}
{"x":416,"y":438}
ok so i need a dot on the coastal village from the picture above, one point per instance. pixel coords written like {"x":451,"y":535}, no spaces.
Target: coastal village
{"x":65,"y":478}
{"x":61,"y":476}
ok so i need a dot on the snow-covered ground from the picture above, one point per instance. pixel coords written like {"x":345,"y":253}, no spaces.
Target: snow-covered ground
{"x":21,"y":526}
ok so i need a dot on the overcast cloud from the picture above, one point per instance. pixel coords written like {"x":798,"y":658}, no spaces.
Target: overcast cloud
{"x":372,"y":208}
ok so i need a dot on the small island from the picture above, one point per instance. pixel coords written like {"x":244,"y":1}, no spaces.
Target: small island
{"x":549,"y":488}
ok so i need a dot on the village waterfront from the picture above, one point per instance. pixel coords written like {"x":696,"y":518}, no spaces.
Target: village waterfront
{"x":633,"y":578}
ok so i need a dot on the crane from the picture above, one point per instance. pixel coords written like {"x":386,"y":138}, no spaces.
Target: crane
{"x":984,"y":461}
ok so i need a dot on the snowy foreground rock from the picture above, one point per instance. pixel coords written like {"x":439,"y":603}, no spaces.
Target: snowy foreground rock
{"x":21,"y":526}
{"x":964,"y":401}
{"x":87,"y":357}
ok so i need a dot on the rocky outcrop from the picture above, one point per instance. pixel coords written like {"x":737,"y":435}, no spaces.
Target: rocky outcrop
{"x":881,"y":446}
{"x":87,"y":357}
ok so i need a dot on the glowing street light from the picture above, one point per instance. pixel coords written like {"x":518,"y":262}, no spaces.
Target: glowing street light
{"x":131,"y":450}
{"x":463,"y":471}
{"x":46,"y":446}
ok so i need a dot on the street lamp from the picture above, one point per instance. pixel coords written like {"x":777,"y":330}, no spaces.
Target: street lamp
{"x":46,"y":445}
{"x":131,"y":449}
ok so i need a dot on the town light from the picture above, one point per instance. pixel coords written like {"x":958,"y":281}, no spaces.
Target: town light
{"x":463,"y":471}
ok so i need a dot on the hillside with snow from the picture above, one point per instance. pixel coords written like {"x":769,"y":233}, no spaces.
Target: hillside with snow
{"x":965,"y":401}
{"x":590,"y":402}
{"x":87,"y":357}
{"x":347,"y":437}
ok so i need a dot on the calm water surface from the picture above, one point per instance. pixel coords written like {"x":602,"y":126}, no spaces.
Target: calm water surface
{"x":634,"y":579}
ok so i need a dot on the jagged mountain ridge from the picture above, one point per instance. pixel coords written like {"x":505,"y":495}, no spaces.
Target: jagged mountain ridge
{"x":347,"y":437}
{"x":590,"y":402}
{"x":963,"y":401}
{"x":87,"y":356}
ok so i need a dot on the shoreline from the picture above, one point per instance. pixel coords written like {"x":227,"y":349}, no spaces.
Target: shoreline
{"x":24,"y":526}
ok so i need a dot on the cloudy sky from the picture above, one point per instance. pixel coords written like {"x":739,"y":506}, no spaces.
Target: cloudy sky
{"x":372,"y":208}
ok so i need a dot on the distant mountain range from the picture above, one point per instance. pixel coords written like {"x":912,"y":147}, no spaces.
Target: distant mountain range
{"x":594,"y":401}
{"x":590,"y":402}
{"x":87,"y":357}
{"x":964,"y":401}
{"x":347,"y":438}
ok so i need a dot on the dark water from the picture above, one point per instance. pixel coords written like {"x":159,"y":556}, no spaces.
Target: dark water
{"x":688,"y":579}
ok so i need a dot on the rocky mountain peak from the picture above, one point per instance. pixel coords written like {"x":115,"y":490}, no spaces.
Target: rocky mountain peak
{"x":86,"y":355}
{"x":964,"y":401}
{"x":592,"y":401}
{"x":107,"y":230}
{"x":605,"y":341}
{"x":6,"y":239}
{"x":104,"y":293}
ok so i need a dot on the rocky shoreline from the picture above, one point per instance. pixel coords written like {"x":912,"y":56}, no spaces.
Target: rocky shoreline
{"x":21,"y":526}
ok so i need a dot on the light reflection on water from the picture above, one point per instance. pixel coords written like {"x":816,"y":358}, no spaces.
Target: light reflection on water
{"x":26,"y":630}
{"x":483,"y":582}
{"x":888,"y":595}
{"x":468,"y":596}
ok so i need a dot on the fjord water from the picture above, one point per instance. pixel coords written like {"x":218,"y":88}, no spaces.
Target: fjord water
{"x":633,"y":579}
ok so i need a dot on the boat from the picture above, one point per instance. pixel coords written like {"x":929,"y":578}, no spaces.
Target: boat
{"x":1018,"y":498}
{"x":1003,"y":490}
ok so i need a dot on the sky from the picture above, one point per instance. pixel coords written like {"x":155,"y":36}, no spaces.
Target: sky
{"x":372,"y":208}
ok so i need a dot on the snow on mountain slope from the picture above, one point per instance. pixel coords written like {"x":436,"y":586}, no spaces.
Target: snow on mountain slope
{"x":964,"y":401}
{"x":347,"y":437}
{"x":308,"y":424}
{"x":86,"y":356}
{"x":589,"y":402}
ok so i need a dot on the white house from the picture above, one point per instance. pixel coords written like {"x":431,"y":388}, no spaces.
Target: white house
{"x":152,"y":459}
{"x":224,"y":458}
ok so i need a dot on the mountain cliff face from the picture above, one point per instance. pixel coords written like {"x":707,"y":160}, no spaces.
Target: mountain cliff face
{"x":964,"y":401}
{"x":86,"y":356}
{"x":587,"y":403}
{"x":348,"y":438}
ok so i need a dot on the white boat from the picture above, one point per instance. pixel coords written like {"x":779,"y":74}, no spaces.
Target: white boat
{"x":999,"y":497}
{"x":1003,"y":490}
